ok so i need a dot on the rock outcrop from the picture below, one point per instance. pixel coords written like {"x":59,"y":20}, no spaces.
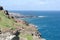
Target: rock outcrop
{"x":1,"y":8}
{"x":6,"y":36}
{"x":10,"y":36}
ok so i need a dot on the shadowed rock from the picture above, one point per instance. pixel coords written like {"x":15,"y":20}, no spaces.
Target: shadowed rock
{"x":0,"y":32}
{"x":15,"y":38}
{"x":1,"y":8}
{"x":6,"y":12}
{"x":16,"y":35}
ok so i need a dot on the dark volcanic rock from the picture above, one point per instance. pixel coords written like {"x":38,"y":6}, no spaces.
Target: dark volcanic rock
{"x":6,"y":12}
{"x":15,"y":38}
{"x":1,"y":8}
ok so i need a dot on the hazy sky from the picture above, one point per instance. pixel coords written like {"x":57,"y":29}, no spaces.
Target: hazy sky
{"x":30,"y":4}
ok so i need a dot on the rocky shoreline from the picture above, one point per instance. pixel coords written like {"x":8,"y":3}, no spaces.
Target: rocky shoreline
{"x":18,"y":15}
{"x":23,"y":30}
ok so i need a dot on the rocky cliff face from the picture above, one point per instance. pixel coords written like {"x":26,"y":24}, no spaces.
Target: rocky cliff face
{"x":10,"y":36}
{"x":6,"y":36}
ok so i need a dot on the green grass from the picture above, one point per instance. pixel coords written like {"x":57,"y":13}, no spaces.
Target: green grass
{"x":4,"y":21}
{"x":29,"y":37}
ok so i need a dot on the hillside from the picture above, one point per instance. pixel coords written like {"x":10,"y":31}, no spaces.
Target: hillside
{"x":5,"y":22}
{"x":26,"y":30}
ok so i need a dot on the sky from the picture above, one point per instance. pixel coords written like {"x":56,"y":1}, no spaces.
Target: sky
{"x":30,"y":4}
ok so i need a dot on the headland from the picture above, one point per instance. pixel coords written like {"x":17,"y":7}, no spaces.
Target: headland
{"x":13,"y":29}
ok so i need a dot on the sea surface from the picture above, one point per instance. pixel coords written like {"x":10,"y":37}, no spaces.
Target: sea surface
{"x":48,"y":23}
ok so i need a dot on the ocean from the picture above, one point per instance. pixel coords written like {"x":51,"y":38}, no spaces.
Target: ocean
{"x":48,"y":23}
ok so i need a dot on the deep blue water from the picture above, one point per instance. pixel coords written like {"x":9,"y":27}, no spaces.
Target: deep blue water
{"x":48,"y":26}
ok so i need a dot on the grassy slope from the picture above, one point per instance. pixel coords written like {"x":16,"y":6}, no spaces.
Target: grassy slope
{"x":8,"y":23}
{"x":4,"y":21}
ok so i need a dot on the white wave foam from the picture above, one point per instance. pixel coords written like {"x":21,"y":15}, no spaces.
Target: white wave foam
{"x":33,"y":25}
{"x":43,"y":39}
{"x":42,"y":16}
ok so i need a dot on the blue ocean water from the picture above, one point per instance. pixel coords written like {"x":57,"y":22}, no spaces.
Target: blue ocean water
{"x":48,"y":25}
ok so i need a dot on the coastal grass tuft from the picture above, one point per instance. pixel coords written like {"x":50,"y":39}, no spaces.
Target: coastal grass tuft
{"x":4,"y":21}
{"x":29,"y":37}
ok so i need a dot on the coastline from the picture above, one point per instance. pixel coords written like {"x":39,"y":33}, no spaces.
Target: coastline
{"x":21,"y":29}
{"x":33,"y":26}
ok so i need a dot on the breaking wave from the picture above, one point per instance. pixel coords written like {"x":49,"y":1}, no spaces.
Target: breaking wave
{"x":42,"y":16}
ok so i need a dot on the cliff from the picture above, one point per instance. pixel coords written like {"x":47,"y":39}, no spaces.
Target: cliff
{"x":14,"y":29}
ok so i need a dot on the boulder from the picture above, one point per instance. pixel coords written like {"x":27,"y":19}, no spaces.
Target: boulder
{"x":9,"y":36}
{"x":6,"y":36}
{"x":6,"y":12}
{"x":1,"y":8}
